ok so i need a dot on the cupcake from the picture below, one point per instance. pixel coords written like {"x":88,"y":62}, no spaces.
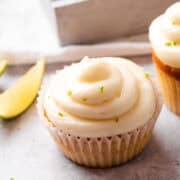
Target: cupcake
{"x":164,"y":35}
{"x":101,"y":112}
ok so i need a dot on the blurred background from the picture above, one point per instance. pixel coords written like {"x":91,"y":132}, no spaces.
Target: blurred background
{"x":67,"y":30}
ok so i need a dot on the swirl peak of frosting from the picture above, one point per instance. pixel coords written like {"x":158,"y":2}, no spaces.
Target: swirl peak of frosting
{"x":95,"y":71}
{"x":164,"y":34}
{"x":95,"y":93}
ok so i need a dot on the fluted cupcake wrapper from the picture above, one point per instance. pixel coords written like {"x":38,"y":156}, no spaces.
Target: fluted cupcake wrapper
{"x":170,"y":88}
{"x":100,"y":151}
{"x":103,"y":151}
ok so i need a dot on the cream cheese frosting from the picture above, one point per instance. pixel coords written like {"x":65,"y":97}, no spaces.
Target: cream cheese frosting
{"x":164,"y":34}
{"x":100,"y":97}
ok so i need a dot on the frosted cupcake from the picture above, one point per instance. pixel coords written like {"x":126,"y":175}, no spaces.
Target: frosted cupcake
{"x":101,"y":112}
{"x":164,"y":34}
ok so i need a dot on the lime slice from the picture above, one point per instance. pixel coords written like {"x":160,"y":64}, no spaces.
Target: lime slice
{"x":3,"y":65}
{"x":20,"y":96}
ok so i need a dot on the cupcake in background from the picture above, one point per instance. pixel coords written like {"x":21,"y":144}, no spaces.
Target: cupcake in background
{"x":164,"y":35}
{"x":101,"y":112}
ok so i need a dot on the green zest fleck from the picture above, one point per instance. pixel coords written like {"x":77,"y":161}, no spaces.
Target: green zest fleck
{"x":174,"y":43}
{"x":49,"y":97}
{"x":84,"y":99}
{"x":60,"y":114}
{"x":146,"y":75}
{"x":168,"y":43}
{"x":171,"y":43}
{"x":116,"y":120}
{"x":105,"y":100}
{"x":69,"y":93}
{"x":102,"y":89}
{"x":11,"y":178}
{"x":175,"y":23}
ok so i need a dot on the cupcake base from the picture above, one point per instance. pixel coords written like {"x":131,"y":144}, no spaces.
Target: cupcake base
{"x":100,"y":152}
{"x":169,"y":79}
{"x":105,"y":151}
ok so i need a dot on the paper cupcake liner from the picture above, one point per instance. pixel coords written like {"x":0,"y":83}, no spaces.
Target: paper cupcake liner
{"x":170,"y":88}
{"x":103,"y":151}
{"x":100,"y":151}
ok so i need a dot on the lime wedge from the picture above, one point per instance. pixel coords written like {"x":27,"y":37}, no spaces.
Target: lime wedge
{"x":3,"y":65}
{"x":21,"y":95}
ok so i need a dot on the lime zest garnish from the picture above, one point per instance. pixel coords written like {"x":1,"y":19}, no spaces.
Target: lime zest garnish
{"x":146,"y":75}
{"x":170,"y":43}
{"x":60,"y":114}
{"x":69,"y":93}
{"x":102,"y":89}
{"x":174,"y":43}
{"x":49,"y":97}
{"x":84,"y":99}
{"x":173,"y":23}
{"x":116,"y":120}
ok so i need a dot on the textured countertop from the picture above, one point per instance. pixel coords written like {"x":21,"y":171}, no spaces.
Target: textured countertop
{"x":27,"y":152}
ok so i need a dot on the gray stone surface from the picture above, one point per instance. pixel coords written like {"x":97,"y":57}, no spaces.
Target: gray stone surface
{"x":27,"y":152}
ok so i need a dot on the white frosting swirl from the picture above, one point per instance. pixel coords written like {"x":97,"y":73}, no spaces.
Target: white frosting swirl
{"x":100,"y":97}
{"x":164,"y":34}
